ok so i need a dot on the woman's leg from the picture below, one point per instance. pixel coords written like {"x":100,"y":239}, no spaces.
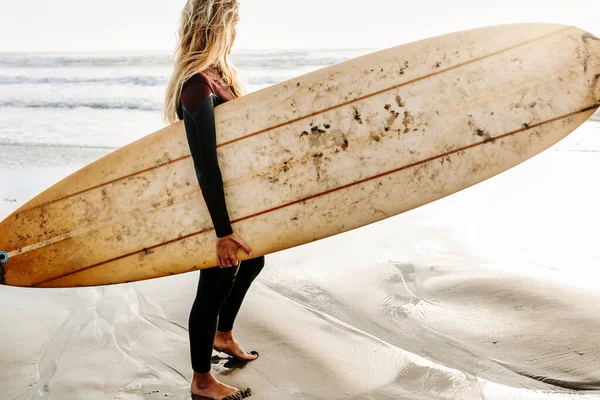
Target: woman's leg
{"x":224,"y":341}
{"x":214,"y":285}
{"x":248,"y":271}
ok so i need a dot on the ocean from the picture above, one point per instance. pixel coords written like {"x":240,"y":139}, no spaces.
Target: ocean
{"x":491,"y":293}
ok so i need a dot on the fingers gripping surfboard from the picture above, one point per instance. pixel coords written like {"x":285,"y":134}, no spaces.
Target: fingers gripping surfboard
{"x":321,"y":154}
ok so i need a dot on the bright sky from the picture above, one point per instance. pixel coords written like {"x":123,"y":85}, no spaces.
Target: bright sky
{"x":84,"y":25}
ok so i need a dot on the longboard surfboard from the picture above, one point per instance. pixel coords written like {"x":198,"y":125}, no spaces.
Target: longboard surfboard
{"x":314,"y":156}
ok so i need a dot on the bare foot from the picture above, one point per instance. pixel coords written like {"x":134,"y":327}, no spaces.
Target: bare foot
{"x":207,"y":386}
{"x":224,"y":342}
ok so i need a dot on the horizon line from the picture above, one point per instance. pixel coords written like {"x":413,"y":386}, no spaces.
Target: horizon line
{"x":168,"y":51}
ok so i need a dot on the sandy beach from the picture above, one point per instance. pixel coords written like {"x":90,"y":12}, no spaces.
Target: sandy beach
{"x":491,"y":293}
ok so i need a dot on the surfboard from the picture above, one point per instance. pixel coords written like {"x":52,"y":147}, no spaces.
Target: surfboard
{"x":314,"y":156}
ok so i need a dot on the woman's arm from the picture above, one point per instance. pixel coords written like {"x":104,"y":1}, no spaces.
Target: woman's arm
{"x":198,"y":103}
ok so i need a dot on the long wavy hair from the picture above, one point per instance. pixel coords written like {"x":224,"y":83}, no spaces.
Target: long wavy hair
{"x":205,"y":38}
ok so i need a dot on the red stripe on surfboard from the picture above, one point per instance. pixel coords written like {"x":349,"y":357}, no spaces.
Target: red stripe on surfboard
{"x":436,"y":157}
{"x":308,"y":116}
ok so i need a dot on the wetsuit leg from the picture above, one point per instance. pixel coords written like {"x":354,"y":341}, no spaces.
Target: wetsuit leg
{"x":248,"y":271}
{"x":214,"y":285}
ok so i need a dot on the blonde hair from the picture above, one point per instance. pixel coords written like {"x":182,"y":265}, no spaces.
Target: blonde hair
{"x":205,"y":38}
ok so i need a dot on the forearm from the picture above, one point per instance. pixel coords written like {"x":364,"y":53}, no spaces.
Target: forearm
{"x":214,"y":196}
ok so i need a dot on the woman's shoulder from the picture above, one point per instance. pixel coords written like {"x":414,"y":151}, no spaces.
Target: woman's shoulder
{"x":195,"y":90}
{"x":199,"y":79}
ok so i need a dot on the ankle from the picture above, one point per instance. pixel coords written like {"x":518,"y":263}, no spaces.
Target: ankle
{"x":225,"y":336}
{"x":203,"y":380}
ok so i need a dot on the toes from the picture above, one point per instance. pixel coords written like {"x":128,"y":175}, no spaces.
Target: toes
{"x":239,"y":395}
{"x":249,"y":356}
{"x":233,"y":396}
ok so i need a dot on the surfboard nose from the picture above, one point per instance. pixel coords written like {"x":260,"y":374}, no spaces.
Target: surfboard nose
{"x":591,"y":60}
{"x":596,"y":82}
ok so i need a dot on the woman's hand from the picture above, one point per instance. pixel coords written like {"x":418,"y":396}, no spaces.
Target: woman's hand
{"x":227,"y":247}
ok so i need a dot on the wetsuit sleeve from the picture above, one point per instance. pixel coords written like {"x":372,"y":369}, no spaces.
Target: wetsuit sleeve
{"x":198,"y":103}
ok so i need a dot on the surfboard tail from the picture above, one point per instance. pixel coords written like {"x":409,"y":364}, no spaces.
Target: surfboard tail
{"x":3,"y":259}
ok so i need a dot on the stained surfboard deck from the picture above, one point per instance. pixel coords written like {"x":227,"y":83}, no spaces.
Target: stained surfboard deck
{"x":330,"y":151}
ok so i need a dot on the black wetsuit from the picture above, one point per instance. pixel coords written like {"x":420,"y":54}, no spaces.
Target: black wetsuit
{"x":220,"y":290}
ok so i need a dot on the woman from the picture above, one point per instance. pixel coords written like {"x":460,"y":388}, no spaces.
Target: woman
{"x":203,"y":79}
